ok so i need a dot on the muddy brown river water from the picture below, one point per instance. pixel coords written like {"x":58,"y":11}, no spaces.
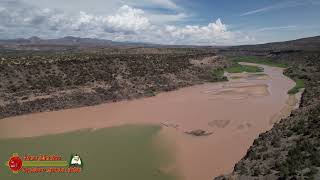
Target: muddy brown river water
{"x":234,"y":113}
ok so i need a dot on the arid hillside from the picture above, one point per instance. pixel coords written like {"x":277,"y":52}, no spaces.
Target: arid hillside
{"x":290,"y":150}
{"x":39,"y":81}
{"x":304,"y":44}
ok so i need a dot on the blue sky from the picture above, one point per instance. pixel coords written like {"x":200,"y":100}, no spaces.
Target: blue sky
{"x":275,"y":20}
{"x":201,"y":22}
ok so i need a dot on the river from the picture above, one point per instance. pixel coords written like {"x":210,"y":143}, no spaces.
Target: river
{"x":234,"y":113}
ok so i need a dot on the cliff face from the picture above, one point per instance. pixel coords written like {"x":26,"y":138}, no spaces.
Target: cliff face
{"x":291,"y":149}
{"x":40,"y":81}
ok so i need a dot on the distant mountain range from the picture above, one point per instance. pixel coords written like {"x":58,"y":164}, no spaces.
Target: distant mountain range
{"x":68,"y":41}
{"x":36,"y":43}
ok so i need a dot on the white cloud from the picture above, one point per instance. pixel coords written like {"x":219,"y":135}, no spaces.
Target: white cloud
{"x":101,"y":6}
{"x":276,"y":28}
{"x":163,"y":3}
{"x":166,"y":3}
{"x":275,"y":6}
{"x":213,"y":33}
{"x":281,"y":5}
{"x":127,"y":18}
{"x":166,"y":18}
{"x":126,"y":24}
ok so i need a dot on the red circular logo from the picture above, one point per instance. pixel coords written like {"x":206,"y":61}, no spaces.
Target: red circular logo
{"x":15,"y":163}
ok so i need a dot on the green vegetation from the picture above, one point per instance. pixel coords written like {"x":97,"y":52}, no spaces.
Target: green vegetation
{"x":299,"y":85}
{"x":300,"y":158}
{"x":119,"y":153}
{"x":252,"y":59}
{"x":238,"y":68}
{"x":258,"y":60}
{"x":217,"y":75}
{"x":218,"y":72}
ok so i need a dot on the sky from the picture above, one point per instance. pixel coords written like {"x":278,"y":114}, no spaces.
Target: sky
{"x":180,"y":22}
